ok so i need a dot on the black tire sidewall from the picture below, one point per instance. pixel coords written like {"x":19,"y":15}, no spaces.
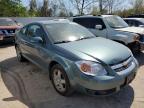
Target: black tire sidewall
{"x":68,"y":87}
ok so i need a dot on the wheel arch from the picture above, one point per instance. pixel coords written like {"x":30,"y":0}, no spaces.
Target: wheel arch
{"x":60,"y":62}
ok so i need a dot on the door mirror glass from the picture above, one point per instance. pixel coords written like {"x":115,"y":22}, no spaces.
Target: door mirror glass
{"x":37,"y":40}
{"x":99,"y":27}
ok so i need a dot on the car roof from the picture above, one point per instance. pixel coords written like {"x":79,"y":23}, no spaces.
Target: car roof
{"x":133,"y":18}
{"x":53,"y":21}
{"x":7,"y":19}
{"x":91,"y":16}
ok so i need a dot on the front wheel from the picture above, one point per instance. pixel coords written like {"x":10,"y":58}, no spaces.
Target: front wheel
{"x":60,"y":80}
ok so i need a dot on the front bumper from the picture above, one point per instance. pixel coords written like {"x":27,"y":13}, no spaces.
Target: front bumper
{"x":105,"y":85}
{"x":5,"y":38}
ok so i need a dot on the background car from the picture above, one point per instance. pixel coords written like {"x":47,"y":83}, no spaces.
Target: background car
{"x":136,"y":22}
{"x":75,"y":59}
{"x":136,"y":16}
{"x":8,"y":28}
{"x":115,"y":28}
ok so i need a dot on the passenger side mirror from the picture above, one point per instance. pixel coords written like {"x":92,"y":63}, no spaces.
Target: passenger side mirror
{"x":37,"y":40}
{"x":99,"y":27}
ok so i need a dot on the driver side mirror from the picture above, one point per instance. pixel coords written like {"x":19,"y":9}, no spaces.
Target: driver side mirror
{"x":99,"y":27}
{"x":37,"y":40}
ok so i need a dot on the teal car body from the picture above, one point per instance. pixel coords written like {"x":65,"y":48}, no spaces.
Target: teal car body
{"x":112,"y":65}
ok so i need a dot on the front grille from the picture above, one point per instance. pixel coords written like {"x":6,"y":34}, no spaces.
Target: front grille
{"x":123,"y":65}
{"x":9,"y":31}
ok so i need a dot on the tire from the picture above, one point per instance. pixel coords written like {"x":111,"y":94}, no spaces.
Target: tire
{"x":19,"y":55}
{"x":60,"y":80}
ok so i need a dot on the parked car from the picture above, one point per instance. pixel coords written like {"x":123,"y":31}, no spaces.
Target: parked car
{"x":8,"y":28}
{"x":136,"y":22}
{"x":114,"y":28}
{"x":136,"y":16}
{"x":75,"y":59}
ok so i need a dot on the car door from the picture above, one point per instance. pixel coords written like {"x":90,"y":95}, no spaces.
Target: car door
{"x":22,"y":40}
{"x":93,"y":22}
{"x":36,"y":49}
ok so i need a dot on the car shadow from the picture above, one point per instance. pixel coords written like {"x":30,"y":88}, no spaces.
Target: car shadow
{"x":31,"y":86}
{"x":140,"y":58}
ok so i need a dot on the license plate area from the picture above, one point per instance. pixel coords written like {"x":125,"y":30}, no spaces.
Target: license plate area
{"x":1,"y":37}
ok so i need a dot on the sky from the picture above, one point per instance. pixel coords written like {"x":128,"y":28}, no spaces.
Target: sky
{"x":126,"y":4}
{"x":25,"y":2}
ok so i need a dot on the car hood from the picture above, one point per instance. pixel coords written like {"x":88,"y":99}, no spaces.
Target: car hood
{"x":9,"y":27}
{"x":108,"y":51}
{"x":138,"y":30}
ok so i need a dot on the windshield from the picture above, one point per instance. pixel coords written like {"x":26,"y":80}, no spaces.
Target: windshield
{"x":7,"y":22}
{"x":142,"y":20}
{"x":68,"y":32}
{"x":116,"y":22}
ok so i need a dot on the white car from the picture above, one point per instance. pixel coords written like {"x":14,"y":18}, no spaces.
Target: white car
{"x":115,"y":28}
{"x":136,"y":22}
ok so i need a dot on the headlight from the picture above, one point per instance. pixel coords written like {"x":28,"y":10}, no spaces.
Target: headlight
{"x":136,"y":38}
{"x":91,"y":68}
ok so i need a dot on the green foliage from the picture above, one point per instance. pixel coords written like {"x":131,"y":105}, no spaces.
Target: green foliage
{"x":138,"y":8}
{"x":62,"y":14}
{"x":12,"y":8}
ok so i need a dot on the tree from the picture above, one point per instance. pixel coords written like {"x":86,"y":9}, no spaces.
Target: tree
{"x":62,"y":14}
{"x":70,"y":14}
{"x":44,"y":9}
{"x":138,"y":6}
{"x":81,"y":5}
{"x":109,"y":5}
{"x":95,"y":11}
{"x":33,"y":8}
{"x":12,"y":8}
{"x":62,"y":7}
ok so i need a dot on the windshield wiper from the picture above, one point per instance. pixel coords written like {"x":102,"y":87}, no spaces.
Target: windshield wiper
{"x":59,"y":42}
{"x":84,"y":38}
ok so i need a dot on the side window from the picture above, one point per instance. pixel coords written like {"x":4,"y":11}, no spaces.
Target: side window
{"x":34,"y":31}
{"x":127,"y":21}
{"x":136,"y":23}
{"x":82,"y":21}
{"x":130,"y":22}
{"x":89,"y":22}
{"x":96,"y":21}
{"x":139,"y":23}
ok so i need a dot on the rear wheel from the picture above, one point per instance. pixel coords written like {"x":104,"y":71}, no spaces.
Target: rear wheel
{"x":60,"y":80}
{"x":19,"y":55}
